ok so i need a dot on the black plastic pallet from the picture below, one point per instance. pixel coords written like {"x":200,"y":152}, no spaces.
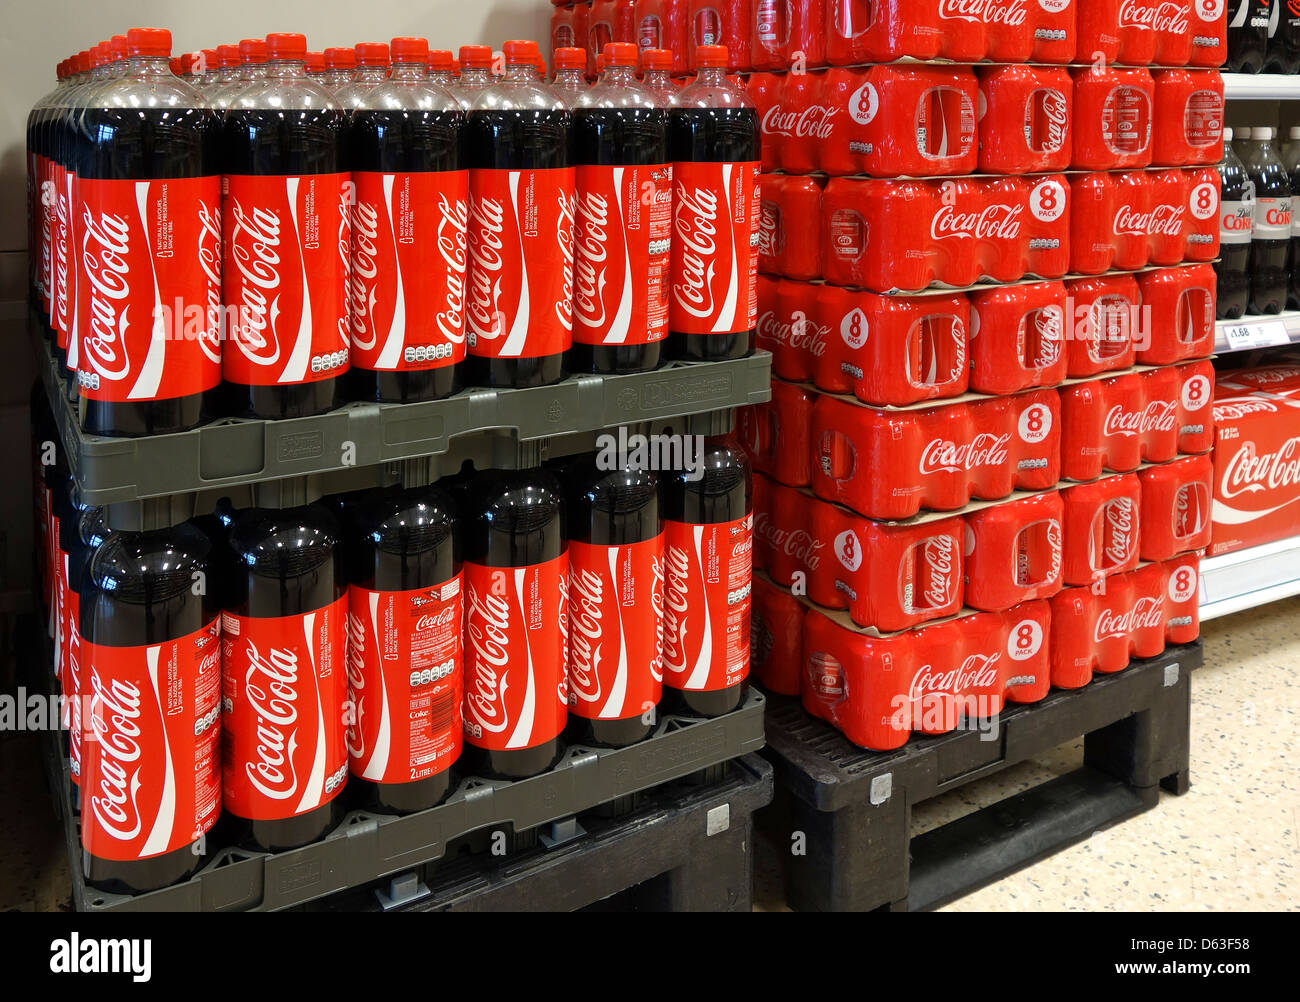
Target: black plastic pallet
{"x":367,"y":846}
{"x":686,"y":846}
{"x":854,"y":806}
{"x":478,"y":424}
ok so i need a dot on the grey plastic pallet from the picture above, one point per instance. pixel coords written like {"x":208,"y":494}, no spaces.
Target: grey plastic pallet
{"x":233,"y":451}
{"x":368,"y":846}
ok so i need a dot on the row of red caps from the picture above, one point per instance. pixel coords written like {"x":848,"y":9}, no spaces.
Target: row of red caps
{"x":893,"y":576}
{"x":893,"y":464}
{"x":908,"y":235}
{"x":775,"y":34}
{"x":893,"y":351}
{"x":879,"y":690}
{"x":930,"y":121}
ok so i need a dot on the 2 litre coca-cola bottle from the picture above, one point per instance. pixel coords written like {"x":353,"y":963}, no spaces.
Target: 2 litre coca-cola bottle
{"x":405,"y":662}
{"x":516,"y":621}
{"x":616,"y":601}
{"x":287,"y":242}
{"x":713,"y":142}
{"x":1248,"y":22}
{"x":148,"y":227}
{"x":707,"y":571}
{"x":624,"y":218}
{"x":1271,"y":239}
{"x":372,"y":60}
{"x":284,"y":670}
{"x":408,"y":235}
{"x":1236,"y":227}
{"x":151,"y":673}
{"x":475,"y":74}
{"x":519,"y":310}
{"x":570,"y":80}
{"x":656,"y":75}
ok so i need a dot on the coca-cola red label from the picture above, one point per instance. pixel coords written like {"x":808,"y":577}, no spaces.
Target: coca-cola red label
{"x":63,"y":253}
{"x":715,"y":247}
{"x":621,"y":237}
{"x":404,"y":681}
{"x":285,"y":687}
{"x":145,"y":321}
{"x":48,"y":197}
{"x":408,"y":269}
{"x":516,"y":691}
{"x":72,"y":680}
{"x":150,"y":781}
{"x":288,"y":253}
{"x":616,"y":615}
{"x":707,"y":582}
{"x":520,"y":302}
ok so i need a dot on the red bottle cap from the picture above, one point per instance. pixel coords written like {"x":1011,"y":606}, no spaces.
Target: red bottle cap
{"x":187,"y":63}
{"x":442,"y":60}
{"x":620,"y":54}
{"x":520,"y":51}
{"x":477,"y":57}
{"x":103,"y":54}
{"x":371,"y":53}
{"x":408,"y":49}
{"x":174,"y":63}
{"x":81,"y":61}
{"x":315,"y":62}
{"x":118,"y":47}
{"x":711,"y":56}
{"x":211,"y":61}
{"x":656,"y":59}
{"x":252,"y":50}
{"x":570,"y":58}
{"x":287,"y":45}
{"x":149,"y":42}
{"x":340,"y":58}
{"x":228,"y":55}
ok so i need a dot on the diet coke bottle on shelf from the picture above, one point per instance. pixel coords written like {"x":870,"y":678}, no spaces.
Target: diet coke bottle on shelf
{"x":665,"y":25}
{"x":707,"y":569}
{"x":475,"y":74}
{"x":288,"y":246}
{"x":285,"y":684}
{"x":372,"y":70}
{"x":519,"y":311}
{"x":1236,"y":228}
{"x":622,"y":229}
{"x":616,"y":602}
{"x":1271,"y":239}
{"x":1283,"y":54}
{"x":516,"y":622}
{"x":147,"y":224}
{"x":714,"y":145}
{"x":409,"y":221}
{"x":405,"y":662}
{"x":1248,"y":22}
{"x":151,"y":670}
{"x":656,"y":67}
{"x":570,"y":74}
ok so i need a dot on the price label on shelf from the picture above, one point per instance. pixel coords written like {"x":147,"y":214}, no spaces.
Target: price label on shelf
{"x":1244,"y":335}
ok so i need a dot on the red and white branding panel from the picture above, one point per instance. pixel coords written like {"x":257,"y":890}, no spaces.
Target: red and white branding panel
{"x":520,"y":302}
{"x":621,"y":236}
{"x":145,"y":297}
{"x":288,"y":254}
{"x":516,"y":693}
{"x":409,"y":259}
{"x":714,"y":248}
{"x":707,"y":571}
{"x":285,"y":687}
{"x":150,"y":782}
{"x":404,"y":681}
{"x":616,"y":622}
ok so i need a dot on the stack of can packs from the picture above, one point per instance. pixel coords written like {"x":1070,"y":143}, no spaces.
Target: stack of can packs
{"x":970,"y":490}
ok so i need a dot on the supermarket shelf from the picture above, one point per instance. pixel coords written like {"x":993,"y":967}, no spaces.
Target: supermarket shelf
{"x":1249,"y":333}
{"x":1260,"y":87}
{"x":1249,"y":578}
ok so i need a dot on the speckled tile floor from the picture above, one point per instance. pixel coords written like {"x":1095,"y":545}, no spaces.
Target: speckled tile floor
{"x":1231,"y":843}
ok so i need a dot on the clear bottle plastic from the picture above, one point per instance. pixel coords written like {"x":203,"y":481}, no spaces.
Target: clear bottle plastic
{"x":475,"y":74}
{"x":372,"y":70}
{"x":316,"y":68}
{"x":252,"y":73}
{"x":340,"y":67}
{"x":570,"y":74}
{"x":1271,"y":242}
{"x":442,"y":67}
{"x":656,"y":69}
{"x":228,"y":67}
{"x":1236,"y":225}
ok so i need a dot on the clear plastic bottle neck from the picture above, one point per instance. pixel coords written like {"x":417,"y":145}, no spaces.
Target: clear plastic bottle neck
{"x":618,"y":76}
{"x":287,"y":69}
{"x":521,"y":73}
{"x":408,"y":72}
{"x":253,"y":72}
{"x":475,"y":76}
{"x":712,"y":76}
{"x":146,"y":66}
{"x":371,"y":75}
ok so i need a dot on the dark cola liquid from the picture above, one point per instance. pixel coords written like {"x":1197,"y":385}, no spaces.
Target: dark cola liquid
{"x":292,"y":143}
{"x":1268,"y":258}
{"x":516,"y":140}
{"x":518,"y":520}
{"x":619,"y":137}
{"x":403,"y":542}
{"x":1233,"y":266}
{"x":1248,"y":43}
{"x":719,"y":135}
{"x":139,"y":144}
{"x":137,"y":592}
{"x":407,"y":141}
{"x":610,"y":508}
{"x":722,"y":494}
{"x":1284,"y":39}
{"x":287,"y":562}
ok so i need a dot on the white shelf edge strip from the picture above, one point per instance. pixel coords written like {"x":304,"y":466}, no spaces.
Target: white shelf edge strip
{"x":1260,"y":87}
{"x":1249,"y":578}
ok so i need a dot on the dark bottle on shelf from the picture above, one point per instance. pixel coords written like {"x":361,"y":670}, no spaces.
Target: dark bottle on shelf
{"x":1248,"y":22}
{"x":405,"y":659}
{"x":151,"y":673}
{"x":284,"y":656}
{"x":1271,"y":240}
{"x":1236,"y":225}
{"x":1283,"y":55}
{"x":713,"y":135}
{"x":1290,"y":157}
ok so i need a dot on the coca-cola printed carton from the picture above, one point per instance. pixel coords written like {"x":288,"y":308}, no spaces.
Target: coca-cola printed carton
{"x":776,"y":434}
{"x":789,"y":221}
{"x":1024,"y":119}
{"x":1014,"y":552}
{"x":776,"y":638}
{"x":1102,"y":526}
